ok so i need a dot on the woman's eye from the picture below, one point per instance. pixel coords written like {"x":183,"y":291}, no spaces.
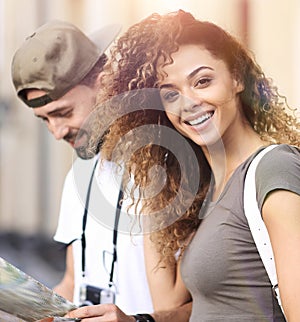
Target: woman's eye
{"x":203,"y":82}
{"x":170,"y":96}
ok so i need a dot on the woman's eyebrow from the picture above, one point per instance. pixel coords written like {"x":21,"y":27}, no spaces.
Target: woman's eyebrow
{"x":191,"y":75}
{"x":197,"y":70}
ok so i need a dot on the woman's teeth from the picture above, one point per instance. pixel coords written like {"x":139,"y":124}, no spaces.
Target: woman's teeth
{"x":201,"y":119}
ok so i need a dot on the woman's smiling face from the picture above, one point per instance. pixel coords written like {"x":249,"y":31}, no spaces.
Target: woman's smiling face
{"x":200,"y":95}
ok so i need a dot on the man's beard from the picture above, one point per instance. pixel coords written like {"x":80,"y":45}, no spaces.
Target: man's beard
{"x":84,"y":150}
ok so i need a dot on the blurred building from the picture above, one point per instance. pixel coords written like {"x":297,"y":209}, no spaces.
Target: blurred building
{"x":33,"y":165}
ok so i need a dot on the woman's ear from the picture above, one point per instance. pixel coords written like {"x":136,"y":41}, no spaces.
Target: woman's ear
{"x":239,"y":86}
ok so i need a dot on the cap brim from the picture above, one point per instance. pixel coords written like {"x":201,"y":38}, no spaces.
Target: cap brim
{"x":105,"y":36}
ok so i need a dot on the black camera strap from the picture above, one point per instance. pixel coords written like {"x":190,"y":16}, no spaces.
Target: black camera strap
{"x":84,"y":219}
{"x":115,"y":231}
{"x":115,"y":236}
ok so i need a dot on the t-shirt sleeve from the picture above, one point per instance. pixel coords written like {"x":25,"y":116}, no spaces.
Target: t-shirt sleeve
{"x":278,"y":169}
{"x":71,"y":212}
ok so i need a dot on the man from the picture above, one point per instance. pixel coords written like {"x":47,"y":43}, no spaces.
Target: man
{"x":56,"y":72}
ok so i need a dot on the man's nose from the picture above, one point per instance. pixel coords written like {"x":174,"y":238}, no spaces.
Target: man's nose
{"x":58,"y":130}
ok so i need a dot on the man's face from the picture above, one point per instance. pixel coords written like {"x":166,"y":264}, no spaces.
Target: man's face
{"x":66,"y":116}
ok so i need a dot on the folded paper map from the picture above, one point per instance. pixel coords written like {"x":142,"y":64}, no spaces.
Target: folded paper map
{"x":26,"y":298}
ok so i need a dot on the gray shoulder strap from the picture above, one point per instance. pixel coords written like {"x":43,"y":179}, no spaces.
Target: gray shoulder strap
{"x":256,"y":223}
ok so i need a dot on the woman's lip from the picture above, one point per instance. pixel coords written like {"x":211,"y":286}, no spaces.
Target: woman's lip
{"x":198,"y":114}
{"x":199,"y":128}
{"x":199,"y":119}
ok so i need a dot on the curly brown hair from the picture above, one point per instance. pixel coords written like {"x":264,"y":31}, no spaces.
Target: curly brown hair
{"x":129,"y":100}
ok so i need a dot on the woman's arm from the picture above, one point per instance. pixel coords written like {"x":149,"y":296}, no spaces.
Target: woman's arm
{"x":165,"y":283}
{"x":281,"y":214}
{"x":180,"y":314}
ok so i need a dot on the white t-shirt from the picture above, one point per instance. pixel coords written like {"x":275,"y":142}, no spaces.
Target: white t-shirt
{"x":132,"y":291}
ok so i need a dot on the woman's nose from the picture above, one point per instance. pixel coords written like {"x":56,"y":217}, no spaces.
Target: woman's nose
{"x":190,"y":100}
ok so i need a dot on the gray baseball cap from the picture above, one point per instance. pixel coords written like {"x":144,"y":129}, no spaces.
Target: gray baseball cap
{"x":56,"y":57}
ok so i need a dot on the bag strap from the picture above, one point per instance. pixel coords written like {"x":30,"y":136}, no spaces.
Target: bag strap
{"x":257,"y":225}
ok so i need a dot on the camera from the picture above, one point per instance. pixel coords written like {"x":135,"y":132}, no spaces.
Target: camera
{"x":91,"y":295}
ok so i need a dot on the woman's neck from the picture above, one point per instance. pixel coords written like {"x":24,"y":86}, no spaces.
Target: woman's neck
{"x":224,"y":157}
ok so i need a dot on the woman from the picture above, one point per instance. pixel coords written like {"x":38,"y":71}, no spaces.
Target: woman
{"x":216,"y":97}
